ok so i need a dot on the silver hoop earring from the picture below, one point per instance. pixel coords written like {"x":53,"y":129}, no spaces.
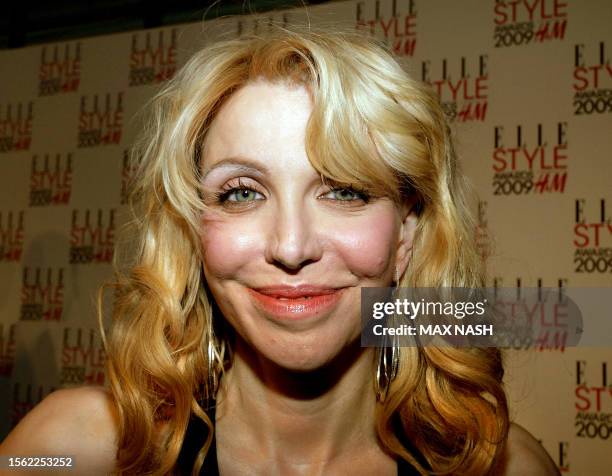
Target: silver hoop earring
{"x":388,"y":359}
{"x":213,"y":373}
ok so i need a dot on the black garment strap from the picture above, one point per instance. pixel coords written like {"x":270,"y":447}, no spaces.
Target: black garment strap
{"x":195,"y":436}
{"x":197,"y":432}
{"x":403,"y":467}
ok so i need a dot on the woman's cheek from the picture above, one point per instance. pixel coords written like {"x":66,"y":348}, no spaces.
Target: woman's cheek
{"x":368,"y":248}
{"x":229,"y":246}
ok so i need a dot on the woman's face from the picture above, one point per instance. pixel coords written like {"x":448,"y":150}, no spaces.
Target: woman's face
{"x":285,"y":255}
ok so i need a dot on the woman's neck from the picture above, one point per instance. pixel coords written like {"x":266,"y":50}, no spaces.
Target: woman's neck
{"x":298,"y":417}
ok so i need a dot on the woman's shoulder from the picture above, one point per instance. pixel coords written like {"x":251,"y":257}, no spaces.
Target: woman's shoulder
{"x":79,"y":422}
{"x":525,"y":456}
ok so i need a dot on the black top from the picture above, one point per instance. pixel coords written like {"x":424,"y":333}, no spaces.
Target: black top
{"x":197,"y":432}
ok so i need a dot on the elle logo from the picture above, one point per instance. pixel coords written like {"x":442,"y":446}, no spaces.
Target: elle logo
{"x":11,"y":236}
{"x":50,"y":180}
{"x":461,"y":85}
{"x":83,"y":358}
{"x":16,"y":127}
{"x":593,"y":402}
{"x":592,"y":237}
{"x":154,"y":59}
{"x":42,"y":294}
{"x":60,"y":69}
{"x":520,"y":22}
{"x":592,"y":80}
{"x":100,"y":120}
{"x":92,"y":241}
{"x":536,"y":150}
{"x":394,"y":23}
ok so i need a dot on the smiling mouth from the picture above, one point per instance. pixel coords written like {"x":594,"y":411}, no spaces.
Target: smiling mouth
{"x":280,"y":298}
{"x":295,"y":303}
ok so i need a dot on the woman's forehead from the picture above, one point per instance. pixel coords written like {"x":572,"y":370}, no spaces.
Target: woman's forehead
{"x":263,"y":103}
{"x":260,"y":122}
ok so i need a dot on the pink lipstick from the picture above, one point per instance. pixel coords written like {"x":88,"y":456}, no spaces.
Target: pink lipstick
{"x":296,"y":302}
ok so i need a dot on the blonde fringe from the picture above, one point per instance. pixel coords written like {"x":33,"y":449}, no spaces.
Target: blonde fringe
{"x":372,"y":125}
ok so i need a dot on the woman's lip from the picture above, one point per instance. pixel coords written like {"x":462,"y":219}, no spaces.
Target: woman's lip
{"x":293,"y":292}
{"x":296,"y":303}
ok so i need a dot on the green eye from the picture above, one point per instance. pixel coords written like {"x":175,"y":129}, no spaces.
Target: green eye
{"x":242,"y":195}
{"x":346,"y":195}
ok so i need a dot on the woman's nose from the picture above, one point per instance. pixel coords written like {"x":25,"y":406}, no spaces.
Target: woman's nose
{"x":293,"y":239}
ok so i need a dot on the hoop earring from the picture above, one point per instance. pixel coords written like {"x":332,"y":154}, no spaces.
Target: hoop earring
{"x":388,"y":360}
{"x":396,"y":279}
{"x":213,"y":377}
{"x":387,"y":357}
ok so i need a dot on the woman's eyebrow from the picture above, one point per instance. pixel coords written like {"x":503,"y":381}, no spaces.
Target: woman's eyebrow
{"x":240,"y":164}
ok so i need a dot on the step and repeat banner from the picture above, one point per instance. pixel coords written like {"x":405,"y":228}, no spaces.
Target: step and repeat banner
{"x":526,"y":83}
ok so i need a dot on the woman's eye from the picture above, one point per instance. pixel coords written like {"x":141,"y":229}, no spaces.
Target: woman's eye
{"x":345,"y":195}
{"x":241,"y":195}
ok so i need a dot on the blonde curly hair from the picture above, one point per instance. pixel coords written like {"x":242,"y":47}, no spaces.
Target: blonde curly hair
{"x":448,"y":402}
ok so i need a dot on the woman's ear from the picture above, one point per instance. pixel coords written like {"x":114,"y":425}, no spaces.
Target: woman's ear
{"x":407,"y":230}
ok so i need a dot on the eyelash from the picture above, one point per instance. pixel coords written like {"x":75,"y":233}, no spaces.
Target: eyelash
{"x":222,"y":197}
{"x":360,"y":194}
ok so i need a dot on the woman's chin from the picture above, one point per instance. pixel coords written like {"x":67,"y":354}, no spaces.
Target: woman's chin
{"x":308,"y":355}
{"x":297,"y":359}
{"x":310,"y":363}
